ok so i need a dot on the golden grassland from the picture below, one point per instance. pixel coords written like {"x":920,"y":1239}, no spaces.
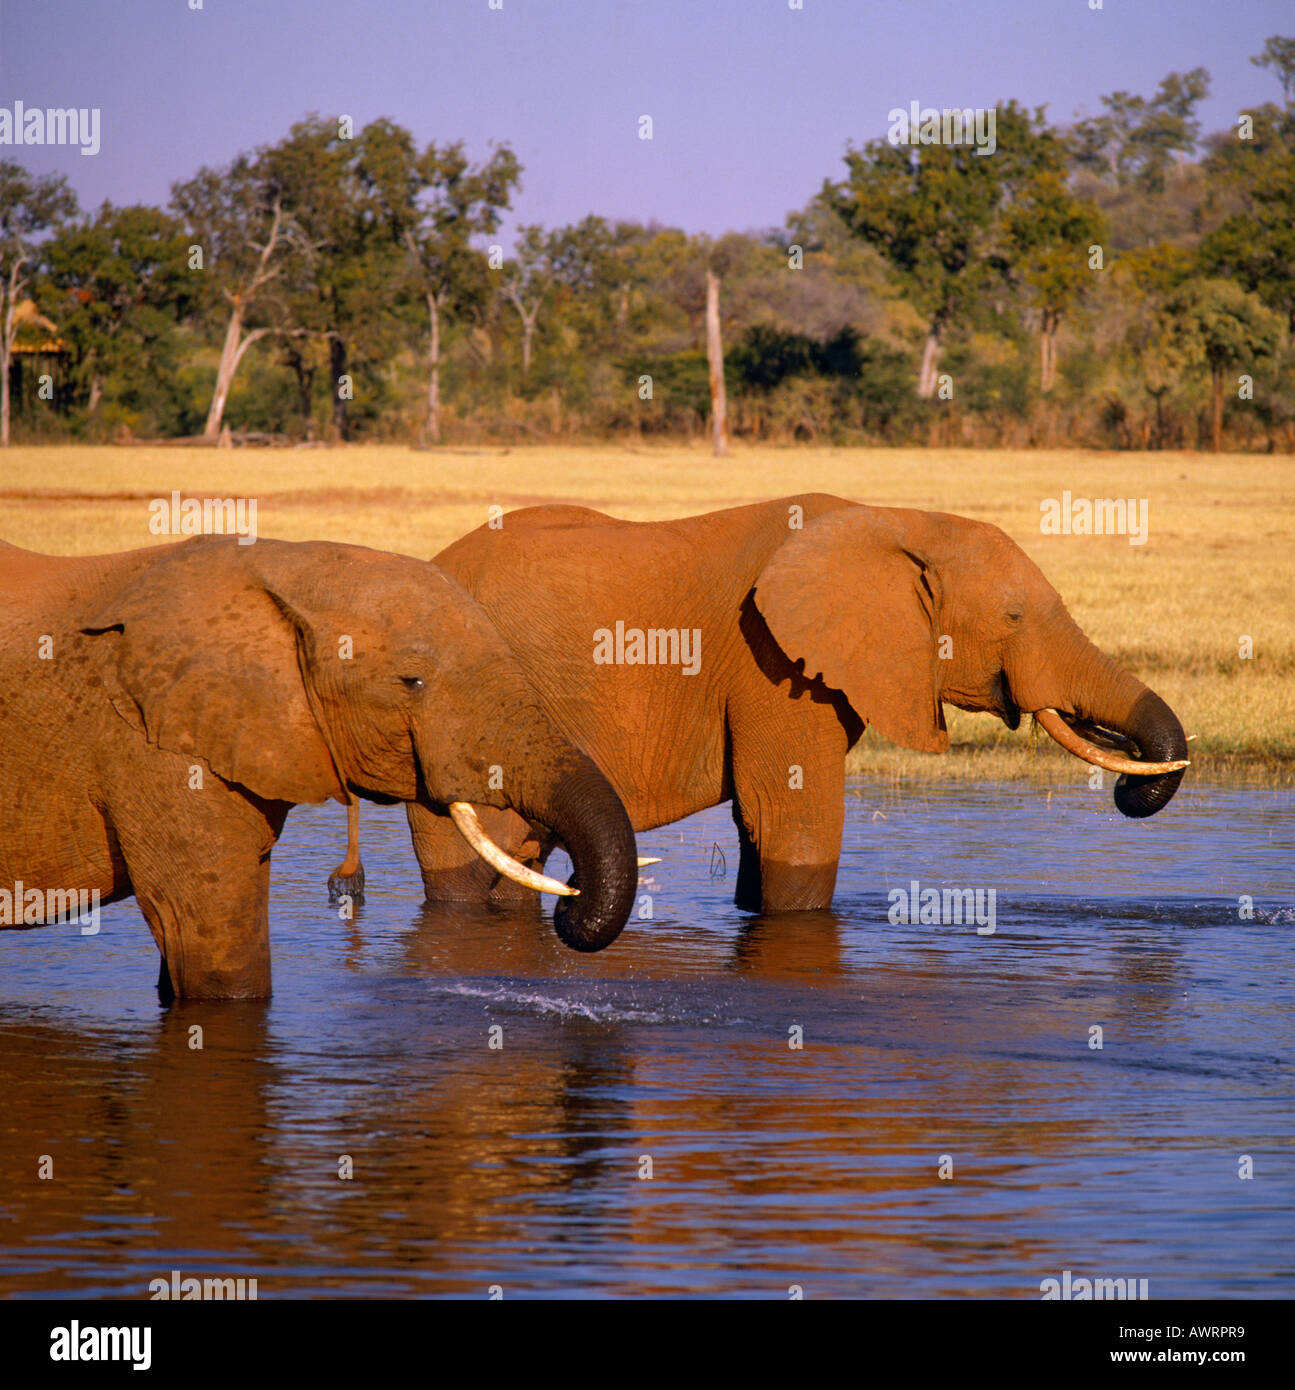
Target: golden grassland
{"x":1218,"y":566}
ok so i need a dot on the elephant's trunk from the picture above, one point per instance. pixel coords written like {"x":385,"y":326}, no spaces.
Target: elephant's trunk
{"x":1097,"y":691}
{"x":1154,"y":727}
{"x":587,"y":816}
{"x":509,"y":754}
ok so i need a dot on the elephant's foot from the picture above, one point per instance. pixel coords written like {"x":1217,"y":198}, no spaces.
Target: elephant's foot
{"x":347,"y":880}
{"x":223,"y":986}
{"x":346,"y":885}
{"x":787,"y":888}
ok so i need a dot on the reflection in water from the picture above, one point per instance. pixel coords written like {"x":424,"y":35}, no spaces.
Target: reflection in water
{"x":796,"y":1082}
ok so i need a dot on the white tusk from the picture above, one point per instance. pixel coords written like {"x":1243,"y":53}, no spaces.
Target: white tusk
{"x":643,"y":863}
{"x":465,"y":818}
{"x":1061,"y":731}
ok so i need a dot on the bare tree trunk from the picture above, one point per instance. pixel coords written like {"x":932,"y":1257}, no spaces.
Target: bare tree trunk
{"x":295,"y":357}
{"x":8,"y":336}
{"x":6,"y":355}
{"x":4,"y":390}
{"x":715,"y":356}
{"x":1216,"y":422}
{"x":432,"y":429}
{"x":305,"y":389}
{"x":1054,"y":327}
{"x":930,"y":357}
{"x":1048,"y":351}
{"x":529,"y":318}
{"x":337,"y":365}
{"x":229,"y":356}
{"x":235,"y":345}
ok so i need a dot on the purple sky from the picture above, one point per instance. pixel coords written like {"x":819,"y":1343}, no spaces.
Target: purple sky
{"x":752,"y":103}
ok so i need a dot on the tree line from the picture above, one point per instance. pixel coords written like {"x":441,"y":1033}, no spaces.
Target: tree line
{"x":1120,"y":282}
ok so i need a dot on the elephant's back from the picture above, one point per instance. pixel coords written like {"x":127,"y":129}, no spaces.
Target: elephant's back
{"x":542,"y":562}
{"x":555,"y":515}
{"x":57,"y":588}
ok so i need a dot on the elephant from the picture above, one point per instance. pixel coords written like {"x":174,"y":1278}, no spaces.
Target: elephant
{"x":162,"y":710}
{"x":738,"y":656}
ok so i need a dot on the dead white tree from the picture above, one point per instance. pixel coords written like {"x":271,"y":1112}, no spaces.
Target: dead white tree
{"x":434,"y":291}
{"x":715,"y":357}
{"x":263,"y":270}
{"x":10,"y":288}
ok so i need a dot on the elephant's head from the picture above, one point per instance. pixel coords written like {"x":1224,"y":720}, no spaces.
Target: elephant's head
{"x":307,"y":671}
{"x":903,"y":611}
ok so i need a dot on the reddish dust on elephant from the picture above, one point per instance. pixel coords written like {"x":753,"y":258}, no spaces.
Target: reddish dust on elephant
{"x":737,"y":656}
{"x":162,"y":710}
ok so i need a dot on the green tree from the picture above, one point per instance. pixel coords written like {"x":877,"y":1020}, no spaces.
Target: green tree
{"x":1256,"y":245}
{"x":452,"y":203}
{"x":30,"y":207}
{"x":1135,"y":140}
{"x":1279,"y":54}
{"x":116,"y":286}
{"x":1050,"y":231}
{"x":1218,"y":322}
{"x":933,"y":212}
{"x":351,"y":198}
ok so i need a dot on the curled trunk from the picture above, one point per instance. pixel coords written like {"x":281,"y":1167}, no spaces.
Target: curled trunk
{"x":1154,"y":727}
{"x":1093,"y":690}
{"x":523,"y":763}
{"x":576,"y":804}
{"x":582,"y":810}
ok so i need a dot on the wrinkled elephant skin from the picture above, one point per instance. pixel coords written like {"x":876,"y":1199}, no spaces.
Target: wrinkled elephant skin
{"x":772,"y":636}
{"x":162,"y":710}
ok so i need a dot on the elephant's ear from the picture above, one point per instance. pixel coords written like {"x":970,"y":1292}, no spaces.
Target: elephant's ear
{"x":204,"y":662}
{"x":852,"y":595}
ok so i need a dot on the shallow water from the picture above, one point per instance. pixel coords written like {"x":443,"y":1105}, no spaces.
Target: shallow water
{"x":521,"y":1166}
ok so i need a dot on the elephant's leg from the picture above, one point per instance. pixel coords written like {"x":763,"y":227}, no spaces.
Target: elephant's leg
{"x":747,"y":895}
{"x":454,"y":872}
{"x":347,"y":880}
{"x":202,"y":881}
{"x":214,"y":945}
{"x":788,"y":804}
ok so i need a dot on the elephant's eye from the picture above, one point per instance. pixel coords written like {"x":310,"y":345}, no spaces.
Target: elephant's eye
{"x":1015,"y":615}
{"x":412,"y":682}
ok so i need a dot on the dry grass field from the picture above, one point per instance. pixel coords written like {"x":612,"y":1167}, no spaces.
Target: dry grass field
{"x":1218,"y":565}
